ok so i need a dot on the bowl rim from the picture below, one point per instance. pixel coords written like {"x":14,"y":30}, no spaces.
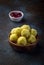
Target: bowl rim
{"x":22,"y":14}
{"x":23,"y":45}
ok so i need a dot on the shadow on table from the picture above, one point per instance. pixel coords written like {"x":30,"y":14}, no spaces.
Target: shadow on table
{"x":34,"y":52}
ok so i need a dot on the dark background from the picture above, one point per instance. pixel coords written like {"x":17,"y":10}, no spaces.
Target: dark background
{"x":34,"y":16}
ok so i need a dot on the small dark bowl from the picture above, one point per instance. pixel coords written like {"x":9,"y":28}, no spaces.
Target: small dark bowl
{"x":29,"y":47}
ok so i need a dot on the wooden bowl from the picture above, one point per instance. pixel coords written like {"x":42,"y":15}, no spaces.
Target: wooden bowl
{"x":23,"y":48}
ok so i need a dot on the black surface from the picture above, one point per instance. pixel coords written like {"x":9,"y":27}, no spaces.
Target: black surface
{"x":34,"y":16}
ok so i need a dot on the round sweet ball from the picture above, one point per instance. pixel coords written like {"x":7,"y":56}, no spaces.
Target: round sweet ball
{"x":13,"y":37}
{"x":12,"y":31}
{"x":32,"y":39}
{"x":25,"y":33}
{"x":16,"y":31}
{"x":25,"y":27}
{"x":34,"y":32}
{"x":21,"y":41}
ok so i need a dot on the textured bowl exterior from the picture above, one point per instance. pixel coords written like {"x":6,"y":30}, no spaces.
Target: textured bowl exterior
{"x":24,"y":48}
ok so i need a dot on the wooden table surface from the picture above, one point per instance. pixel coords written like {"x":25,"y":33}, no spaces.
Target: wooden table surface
{"x":33,"y":16}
